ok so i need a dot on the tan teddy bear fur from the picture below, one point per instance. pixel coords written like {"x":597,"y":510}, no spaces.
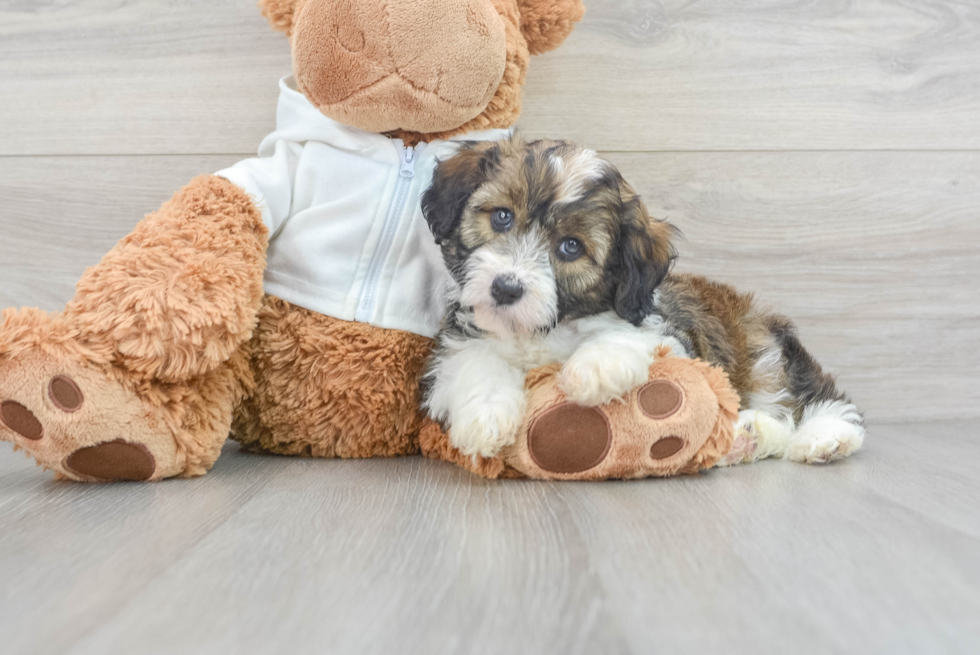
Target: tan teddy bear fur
{"x":170,"y":341}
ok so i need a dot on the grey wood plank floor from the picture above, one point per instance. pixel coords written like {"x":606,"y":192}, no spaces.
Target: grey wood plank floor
{"x":878,"y":554}
{"x":824,"y":154}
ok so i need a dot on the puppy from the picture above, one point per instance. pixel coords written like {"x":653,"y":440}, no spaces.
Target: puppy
{"x":554,"y":259}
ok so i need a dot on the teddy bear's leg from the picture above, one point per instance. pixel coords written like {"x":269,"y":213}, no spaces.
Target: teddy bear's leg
{"x":331,"y":388}
{"x":135,"y":379}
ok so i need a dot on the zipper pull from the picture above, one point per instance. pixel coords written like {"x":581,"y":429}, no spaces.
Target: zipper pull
{"x":408,"y":163}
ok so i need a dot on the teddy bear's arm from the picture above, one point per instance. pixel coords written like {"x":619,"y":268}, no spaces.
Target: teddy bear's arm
{"x":269,"y":182}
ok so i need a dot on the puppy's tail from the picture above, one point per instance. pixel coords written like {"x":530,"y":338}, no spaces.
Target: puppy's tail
{"x":829,"y":425}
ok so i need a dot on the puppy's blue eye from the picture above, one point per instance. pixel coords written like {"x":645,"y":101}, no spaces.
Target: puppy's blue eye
{"x":570,"y":249}
{"x":502,"y":220}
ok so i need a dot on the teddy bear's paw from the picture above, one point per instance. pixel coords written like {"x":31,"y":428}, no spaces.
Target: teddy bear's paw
{"x":81,"y":423}
{"x":598,"y":374}
{"x":829,"y":432}
{"x":484,"y":428}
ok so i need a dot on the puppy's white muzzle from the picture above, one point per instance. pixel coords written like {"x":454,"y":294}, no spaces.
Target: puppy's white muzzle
{"x":511,"y":286}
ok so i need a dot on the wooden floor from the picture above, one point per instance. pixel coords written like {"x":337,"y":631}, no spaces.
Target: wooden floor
{"x":879,"y":554}
{"x":824,"y":154}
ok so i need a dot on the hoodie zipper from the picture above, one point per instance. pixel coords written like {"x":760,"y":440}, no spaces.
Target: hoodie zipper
{"x":406,"y":174}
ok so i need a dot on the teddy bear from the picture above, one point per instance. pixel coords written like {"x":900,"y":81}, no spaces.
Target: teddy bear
{"x":289,"y":300}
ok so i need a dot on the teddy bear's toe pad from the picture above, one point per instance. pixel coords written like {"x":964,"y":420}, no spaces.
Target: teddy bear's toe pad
{"x":660,"y":399}
{"x":21,"y":420}
{"x":667,"y":447}
{"x":83,"y":423}
{"x":115,"y":460}
{"x":569,"y":439}
{"x":65,"y":394}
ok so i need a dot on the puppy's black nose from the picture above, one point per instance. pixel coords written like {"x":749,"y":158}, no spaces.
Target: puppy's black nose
{"x":506,"y":291}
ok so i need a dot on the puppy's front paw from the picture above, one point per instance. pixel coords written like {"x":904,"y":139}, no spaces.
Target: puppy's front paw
{"x":596,"y":375}
{"x":485,"y":427}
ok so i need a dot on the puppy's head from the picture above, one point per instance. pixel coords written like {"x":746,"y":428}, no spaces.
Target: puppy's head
{"x":537,"y":232}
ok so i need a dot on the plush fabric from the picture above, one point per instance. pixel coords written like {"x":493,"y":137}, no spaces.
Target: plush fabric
{"x":331,"y":388}
{"x":155,"y":340}
{"x":435,"y":444}
{"x":546,"y":25}
{"x":170,"y":342}
{"x":422,"y":65}
{"x":177,"y":297}
{"x":420,"y":70}
{"x":281,"y":13}
{"x":690,"y":435}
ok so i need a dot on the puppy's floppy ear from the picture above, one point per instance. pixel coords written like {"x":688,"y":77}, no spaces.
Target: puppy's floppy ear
{"x":547,"y":23}
{"x":281,"y":13}
{"x":453,"y":182}
{"x":645,"y":252}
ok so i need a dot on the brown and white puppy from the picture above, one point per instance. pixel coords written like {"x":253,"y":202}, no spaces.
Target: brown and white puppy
{"x":554,"y":259}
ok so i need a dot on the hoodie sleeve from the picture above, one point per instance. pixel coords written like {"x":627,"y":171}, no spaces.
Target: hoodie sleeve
{"x":269,"y":181}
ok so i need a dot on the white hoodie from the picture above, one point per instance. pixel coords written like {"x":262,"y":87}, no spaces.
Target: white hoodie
{"x":347,"y":235}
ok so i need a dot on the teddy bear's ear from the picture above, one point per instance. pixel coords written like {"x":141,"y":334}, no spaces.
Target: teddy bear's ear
{"x":547,"y":23}
{"x":280,"y":13}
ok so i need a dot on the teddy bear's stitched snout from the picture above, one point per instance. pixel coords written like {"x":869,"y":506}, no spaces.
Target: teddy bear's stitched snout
{"x":418,"y":65}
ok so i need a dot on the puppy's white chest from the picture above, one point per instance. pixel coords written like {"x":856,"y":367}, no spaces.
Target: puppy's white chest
{"x":554,"y":347}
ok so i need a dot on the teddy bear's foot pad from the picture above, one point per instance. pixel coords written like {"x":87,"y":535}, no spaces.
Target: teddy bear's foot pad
{"x":569,"y":439}
{"x":21,"y":420}
{"x":115,"y":460}
{"x":81,"y":423}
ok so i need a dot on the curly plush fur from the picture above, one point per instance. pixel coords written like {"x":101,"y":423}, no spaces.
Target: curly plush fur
{"x":160,"y":326}
{"x":546,"y":25}
{"x":331,"y":388}
{"x":169,"y":340}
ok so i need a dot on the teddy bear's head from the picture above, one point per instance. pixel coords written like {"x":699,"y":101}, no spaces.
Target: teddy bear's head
{"x":419,"y":69}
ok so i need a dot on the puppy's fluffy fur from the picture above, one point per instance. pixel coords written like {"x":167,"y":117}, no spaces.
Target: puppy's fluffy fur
{"x":554,"y":259}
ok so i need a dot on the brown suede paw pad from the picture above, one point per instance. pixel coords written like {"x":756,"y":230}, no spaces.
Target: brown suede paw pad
{"x":666,"y":447}
{"x":660,"y":399}
{"x":21,"y":420}
{"x":65,"y":394}
{"x":114,"y":460}
{"x":569,"y":439}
